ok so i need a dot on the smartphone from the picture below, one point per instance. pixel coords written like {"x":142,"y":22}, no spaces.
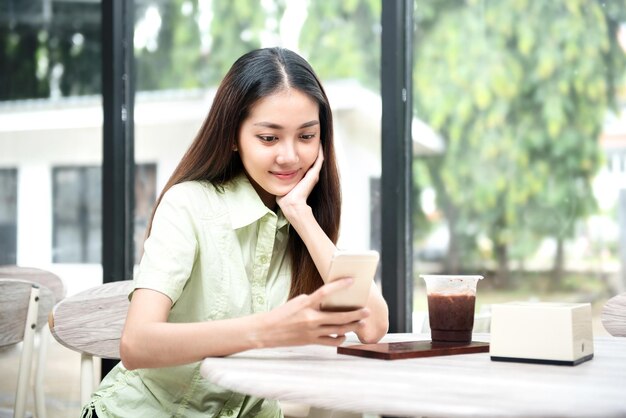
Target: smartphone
{"x":361,"y":266}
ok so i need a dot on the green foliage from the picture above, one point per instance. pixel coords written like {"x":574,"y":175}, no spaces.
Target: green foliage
{"x":345,"y":31}
{"x":61,"y":56}
{"x":341,"y":39}
{"x":74,"y":43}
{"x":235,"y":29}
{"x":18,"y":66}
{"x":175,"y":62}
{"x":519,"y":90}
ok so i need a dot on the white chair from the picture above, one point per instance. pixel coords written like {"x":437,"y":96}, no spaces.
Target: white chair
{"x":57,"y":286}
{"x":614,"y":315}
{"x":37,"y":275}
{"x":91,"y":324}
{"x":24,"y":306}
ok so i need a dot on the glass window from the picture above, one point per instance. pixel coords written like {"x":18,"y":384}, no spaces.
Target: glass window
{"x":8,"y":216}
{"x":518,"y":108}
{"x":77,"y":219}
{"x":184,"y":48}
{"x":375,"y":219}
{"x":77,"y":195}
{"x":51,"y":116}
{"x":145,"y":196}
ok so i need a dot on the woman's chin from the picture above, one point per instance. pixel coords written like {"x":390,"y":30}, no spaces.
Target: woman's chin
{"x":282,"y":191}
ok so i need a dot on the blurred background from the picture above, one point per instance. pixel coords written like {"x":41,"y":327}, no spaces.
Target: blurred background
{"x":519,"y":130}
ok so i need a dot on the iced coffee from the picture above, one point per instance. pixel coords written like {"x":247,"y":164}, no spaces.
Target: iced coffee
{"x":451,"y":304}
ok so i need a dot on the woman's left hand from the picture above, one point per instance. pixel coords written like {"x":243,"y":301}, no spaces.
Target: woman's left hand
{"x":297,"y":197}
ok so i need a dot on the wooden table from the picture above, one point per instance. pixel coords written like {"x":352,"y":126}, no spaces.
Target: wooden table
{"x":450,"y":386}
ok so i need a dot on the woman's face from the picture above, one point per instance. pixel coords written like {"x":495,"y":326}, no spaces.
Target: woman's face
{"x":278,"y":142}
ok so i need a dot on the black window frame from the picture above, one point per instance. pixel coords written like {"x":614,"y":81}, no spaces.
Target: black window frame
{"x":397,"y":153}
{"x":118,"y":150}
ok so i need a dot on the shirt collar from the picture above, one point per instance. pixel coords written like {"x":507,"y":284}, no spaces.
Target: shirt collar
{"x":245,"y":206}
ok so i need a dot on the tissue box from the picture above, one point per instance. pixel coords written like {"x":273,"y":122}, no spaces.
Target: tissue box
{"x":541,"y":332}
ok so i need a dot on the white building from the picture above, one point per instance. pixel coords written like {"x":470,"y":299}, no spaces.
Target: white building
{"x":51,"y":152}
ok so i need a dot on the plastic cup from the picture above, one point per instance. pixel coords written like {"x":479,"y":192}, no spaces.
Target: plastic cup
{"x":451,"y":303}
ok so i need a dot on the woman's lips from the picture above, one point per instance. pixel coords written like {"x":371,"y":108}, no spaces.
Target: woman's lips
{"x":285,"y":175}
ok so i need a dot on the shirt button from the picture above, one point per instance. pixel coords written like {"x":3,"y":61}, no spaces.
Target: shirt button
{"x":260,"y":300}
{"x":264,"y":259}
{"x":228,"y":412}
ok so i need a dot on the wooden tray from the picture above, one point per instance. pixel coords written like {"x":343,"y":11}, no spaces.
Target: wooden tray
{"x":412,"y":349}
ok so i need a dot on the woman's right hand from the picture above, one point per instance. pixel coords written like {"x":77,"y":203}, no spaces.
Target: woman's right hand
{"x":300,"y":321}
{"x":293,"y":202}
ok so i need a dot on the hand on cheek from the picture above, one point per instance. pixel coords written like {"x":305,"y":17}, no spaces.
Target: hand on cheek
{"x":298,"y":195}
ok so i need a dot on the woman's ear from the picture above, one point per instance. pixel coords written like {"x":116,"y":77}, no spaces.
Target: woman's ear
{"x":235,"y":149}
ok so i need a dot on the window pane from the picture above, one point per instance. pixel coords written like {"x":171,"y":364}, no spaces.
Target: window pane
{"x":145,"y":196}
{"x":51,"y":117}
{"x":77,"y":198}
{"x":77,"y":195}
{"x":519,"y":112}
{"x":8,"y":216}
{"x":183,"y":50}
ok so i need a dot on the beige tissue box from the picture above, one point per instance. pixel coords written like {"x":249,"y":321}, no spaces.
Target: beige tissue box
{"x":541,"y":332}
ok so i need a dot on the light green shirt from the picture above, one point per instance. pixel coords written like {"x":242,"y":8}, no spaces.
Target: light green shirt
{"x":216,"y":255}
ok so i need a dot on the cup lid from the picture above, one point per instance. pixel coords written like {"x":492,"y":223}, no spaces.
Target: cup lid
{"x":452,"y":276}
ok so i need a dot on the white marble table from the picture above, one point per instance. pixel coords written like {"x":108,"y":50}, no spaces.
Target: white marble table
{"x":450,"y":386}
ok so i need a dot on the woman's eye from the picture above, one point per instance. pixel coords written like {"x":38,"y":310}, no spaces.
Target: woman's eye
{"x":267,"y":138}
{"x":307,"y":136}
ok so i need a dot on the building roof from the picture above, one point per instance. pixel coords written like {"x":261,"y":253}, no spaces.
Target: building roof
{"x":168,"y":106}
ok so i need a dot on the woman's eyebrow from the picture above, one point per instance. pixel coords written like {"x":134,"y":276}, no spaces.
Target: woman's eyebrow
{"x":309,"y":124}
{"x":272,"y":125}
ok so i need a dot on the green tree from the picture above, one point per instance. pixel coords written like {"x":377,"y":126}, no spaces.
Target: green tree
{"x":235,"y":30}
{"x":182,"y":59}
{"x":50,"y":54}
{"x":174,"y":61}
{"x":342,"y":40}
{"x":19,"y":46}
{"x":519,"y":91}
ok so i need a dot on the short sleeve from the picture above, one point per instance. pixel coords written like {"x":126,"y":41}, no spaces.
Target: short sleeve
{"x":170,"y":250}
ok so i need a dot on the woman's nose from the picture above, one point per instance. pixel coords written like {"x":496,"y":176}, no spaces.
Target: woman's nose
{"x":287,"y":153}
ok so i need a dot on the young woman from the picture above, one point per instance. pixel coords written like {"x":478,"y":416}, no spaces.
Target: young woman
{"x":235,"y":248}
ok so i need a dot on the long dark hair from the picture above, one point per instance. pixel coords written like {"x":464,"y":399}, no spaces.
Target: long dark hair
{"x":253,"y":76}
